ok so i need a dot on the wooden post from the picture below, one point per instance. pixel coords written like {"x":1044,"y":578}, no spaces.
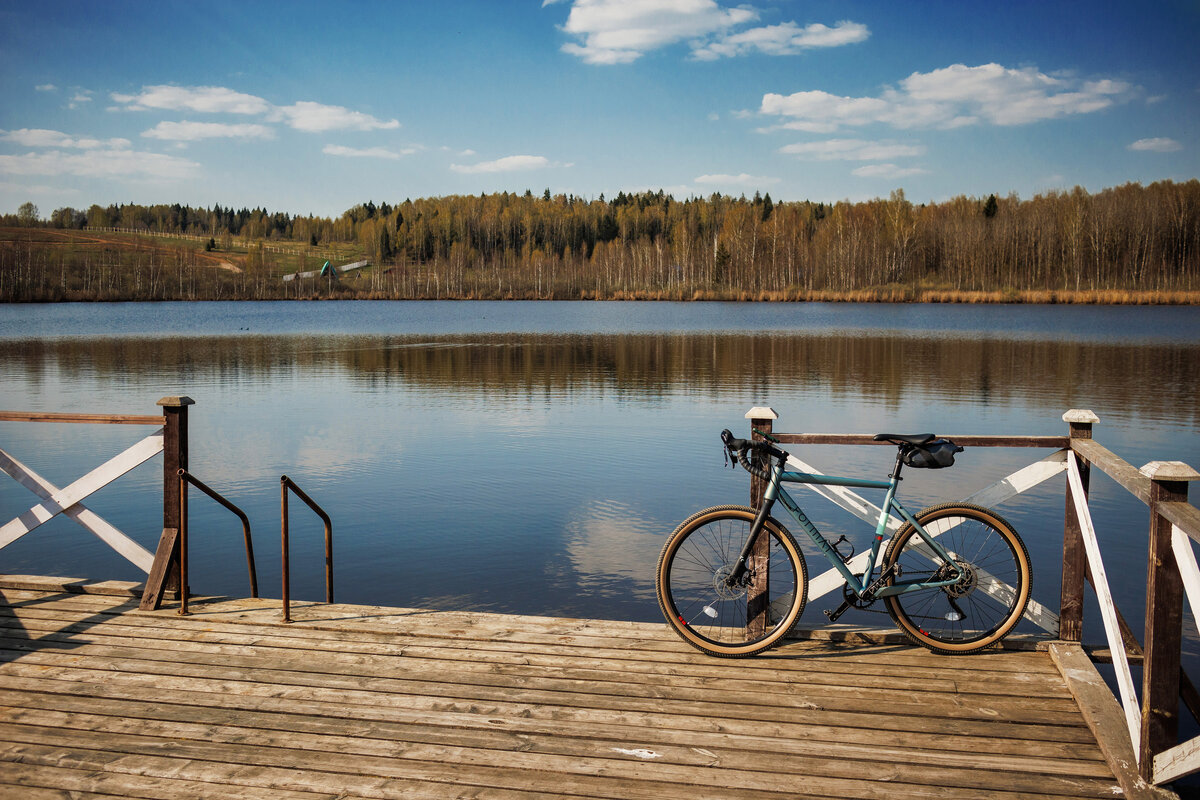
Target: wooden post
{"x":758,"y":598}
{"x":164,"y":573}
{"x":1074,"y":568}
{"x":1164,"y":616}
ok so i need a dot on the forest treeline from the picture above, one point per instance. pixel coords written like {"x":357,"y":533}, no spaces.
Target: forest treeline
{"x":648,"y":244}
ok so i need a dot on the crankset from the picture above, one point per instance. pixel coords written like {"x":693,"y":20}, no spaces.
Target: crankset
{"x":851,"y":599}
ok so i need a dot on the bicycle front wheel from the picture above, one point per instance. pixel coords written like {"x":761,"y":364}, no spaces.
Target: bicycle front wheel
{"x":707,"y":612}
{"x":989,"y":597}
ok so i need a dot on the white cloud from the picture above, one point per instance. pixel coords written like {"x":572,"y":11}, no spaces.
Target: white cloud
{"x":303,"y":116}
{"x":367,"y":152}
{"x":852,"y":150}
{"x":317,"y":118}
{"x":621,"y":31}
{"x":1156,"y":145}
{"x":821,"y":112}
{"x":206,"y":99}
{"x":46,"y":87}
{"x":40,"y":137}
{"x":81,"y":96}
{"x":785,"y":39}
{"x":506,"y":164}
{"x":951,"y":97}
{"x":100,"y":164}
{"x":195,"y":131}
{"x":741,"y":179}
{"x":886,"y":171}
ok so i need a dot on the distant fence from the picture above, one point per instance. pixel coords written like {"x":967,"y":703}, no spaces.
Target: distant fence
{"x":289,"y":249}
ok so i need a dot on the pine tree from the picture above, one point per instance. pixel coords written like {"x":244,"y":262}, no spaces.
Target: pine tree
{"x":991,"y":206}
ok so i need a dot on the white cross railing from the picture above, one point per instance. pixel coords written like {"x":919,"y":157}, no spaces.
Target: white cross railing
{"x":161,"y":567}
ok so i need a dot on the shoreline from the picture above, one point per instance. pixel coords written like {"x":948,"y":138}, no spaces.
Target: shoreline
{"x":897,"y":295}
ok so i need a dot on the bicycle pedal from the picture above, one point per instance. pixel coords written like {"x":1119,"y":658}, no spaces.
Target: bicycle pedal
{"x":833,"y":614}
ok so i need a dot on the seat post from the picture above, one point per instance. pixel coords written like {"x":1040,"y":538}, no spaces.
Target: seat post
{"x":895,"y":476}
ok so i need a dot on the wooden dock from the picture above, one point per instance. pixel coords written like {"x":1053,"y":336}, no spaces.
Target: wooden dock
{"x":99,"y":699}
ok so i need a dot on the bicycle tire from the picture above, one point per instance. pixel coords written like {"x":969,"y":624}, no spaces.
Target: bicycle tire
{"x":988,"y":601}
{"x":711,"y":616}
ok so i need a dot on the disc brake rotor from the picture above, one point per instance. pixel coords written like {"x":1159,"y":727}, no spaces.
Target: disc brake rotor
{"x":966,"y":584}
{"x":722,"y":587}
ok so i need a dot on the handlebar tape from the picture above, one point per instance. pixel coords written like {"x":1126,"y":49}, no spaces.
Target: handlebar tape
{"x":741,"y":449}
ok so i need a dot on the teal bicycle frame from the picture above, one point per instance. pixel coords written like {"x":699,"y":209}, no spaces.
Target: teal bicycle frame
{"x":863,"y":586}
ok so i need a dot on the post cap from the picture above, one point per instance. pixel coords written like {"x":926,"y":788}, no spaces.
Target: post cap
{"x":1080,"y":415}
{"x":761,"y":412}
{"x":1169,"y":471}
{"x":177,"y":400}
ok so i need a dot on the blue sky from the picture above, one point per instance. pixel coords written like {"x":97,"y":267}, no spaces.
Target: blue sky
{"x":314,"y":107}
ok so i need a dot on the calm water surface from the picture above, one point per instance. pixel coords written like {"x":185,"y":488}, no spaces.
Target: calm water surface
{"x":532,"y":457}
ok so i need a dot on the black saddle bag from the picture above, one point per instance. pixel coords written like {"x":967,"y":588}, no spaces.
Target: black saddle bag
{"x":937,"y":454}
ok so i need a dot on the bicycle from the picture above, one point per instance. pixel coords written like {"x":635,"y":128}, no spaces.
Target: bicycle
{"x":732,"y":581}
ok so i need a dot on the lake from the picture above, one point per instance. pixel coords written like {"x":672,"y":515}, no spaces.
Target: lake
{"x":531,"y":457}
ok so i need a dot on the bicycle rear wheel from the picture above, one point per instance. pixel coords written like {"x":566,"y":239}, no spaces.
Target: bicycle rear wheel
{"x":989,"y":598}
{"x":706,"y":612}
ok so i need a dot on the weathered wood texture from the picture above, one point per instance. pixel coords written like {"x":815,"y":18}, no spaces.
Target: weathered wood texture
{"x":1164,"y":629}
{"x":758,"y":598}
{"x":91,"y":419}
{"x":1074,"y":566}
{"x":351,"y":701}
{"x":165,"y":573}
{"x":1056,"y":442}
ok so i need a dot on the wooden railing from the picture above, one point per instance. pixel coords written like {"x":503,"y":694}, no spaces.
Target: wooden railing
{"x":170,"y":438}
{"x":1152,"y":726}
{"x":162,"y":567}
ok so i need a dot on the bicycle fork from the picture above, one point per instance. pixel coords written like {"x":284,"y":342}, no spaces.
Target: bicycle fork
{"x":737,"y":575}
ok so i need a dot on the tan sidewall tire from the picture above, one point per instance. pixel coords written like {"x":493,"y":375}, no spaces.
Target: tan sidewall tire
{"x":746,"y":514}
{"x":1018,"y":547}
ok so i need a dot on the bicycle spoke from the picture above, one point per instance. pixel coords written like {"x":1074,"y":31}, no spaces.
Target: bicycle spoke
{"x":703,"y":606}
{"x":989,"y":595}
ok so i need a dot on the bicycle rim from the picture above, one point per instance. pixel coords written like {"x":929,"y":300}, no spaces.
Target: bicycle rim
{"x":986,"y":603}
{"x":712,"y":616}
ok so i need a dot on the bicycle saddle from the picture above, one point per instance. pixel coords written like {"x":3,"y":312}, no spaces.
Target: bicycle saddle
{"x":916,"y":439}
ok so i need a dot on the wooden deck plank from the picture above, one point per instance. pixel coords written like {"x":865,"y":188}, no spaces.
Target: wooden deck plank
{"x":65,"y":783}
{"x":901,"y":714}
{"x":619,"y":725}
{"x":464,"y":728}
{"x":383,"y":621}
{"x":654,"y":646}
{"x":816,"y":670}
{"x":537,"y":772}
{"x":260,"y":781}
{"x":525,"y":677}
{"x":557,"y":754}
{"x":373,"y":702}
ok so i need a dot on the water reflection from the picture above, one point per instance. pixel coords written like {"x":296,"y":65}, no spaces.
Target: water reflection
{"x":1154,"y":381}
{"x":539,"y":473}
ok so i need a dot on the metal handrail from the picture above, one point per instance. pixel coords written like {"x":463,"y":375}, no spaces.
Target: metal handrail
{"x":286,"y":483}
{"x":185,"y":478}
